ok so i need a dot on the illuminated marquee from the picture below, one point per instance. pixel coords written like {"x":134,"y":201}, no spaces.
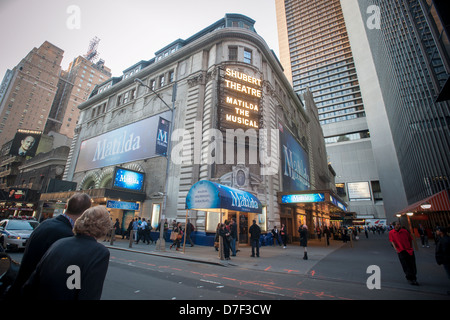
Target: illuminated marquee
{"x":241,"y":99}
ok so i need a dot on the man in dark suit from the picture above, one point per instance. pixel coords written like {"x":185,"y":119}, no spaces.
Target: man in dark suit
{"x":255,"y":233}
{"x":74,"y":268}
{"x":45,"y":235}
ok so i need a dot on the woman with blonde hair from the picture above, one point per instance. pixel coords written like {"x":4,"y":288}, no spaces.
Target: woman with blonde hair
{"x":74,"y":268}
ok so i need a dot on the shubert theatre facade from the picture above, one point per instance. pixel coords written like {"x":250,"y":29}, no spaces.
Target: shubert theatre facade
{"x":212,"y":129}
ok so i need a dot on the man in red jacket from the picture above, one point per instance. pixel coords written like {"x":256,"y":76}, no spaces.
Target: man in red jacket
{"x":401,"y":240}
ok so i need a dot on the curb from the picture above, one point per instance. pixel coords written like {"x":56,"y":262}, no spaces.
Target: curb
{"x":183,"y":257}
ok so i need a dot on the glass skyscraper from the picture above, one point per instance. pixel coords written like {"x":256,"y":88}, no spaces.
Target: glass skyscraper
{"x":410,"y":50}
{"x":316,"y":54}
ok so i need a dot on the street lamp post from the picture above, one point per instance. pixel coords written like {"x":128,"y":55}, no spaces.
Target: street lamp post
{"x":162,"y":243}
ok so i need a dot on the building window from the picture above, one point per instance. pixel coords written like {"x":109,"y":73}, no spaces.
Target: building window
{"x":153,"y":85}
{"x":171,"y":76}
{"x":247,"y":56}
{"x":126,"y":97}
{"x":161,"y":81}
{"x":232,"y":53}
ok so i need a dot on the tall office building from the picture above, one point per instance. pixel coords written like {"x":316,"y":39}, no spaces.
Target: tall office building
{"x":407,"y":52}
{"x":27,"y":91}
{"x":74,"y":87}
{"x":315,"y":52}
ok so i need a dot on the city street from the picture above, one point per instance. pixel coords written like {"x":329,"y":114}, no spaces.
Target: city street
{"x":338,"y":272}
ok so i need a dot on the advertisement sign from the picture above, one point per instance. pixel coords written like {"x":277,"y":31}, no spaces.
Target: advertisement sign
{"x":128,"y":179}
{"x":302,"y":198}
{"x":136,"y":141}
{"x":25,"y":143}
{"x":240,"y":100}
{"x":162,"y":137}
{"x":206,"y":195}
{"x":112,"y":204}
{"x":295,"y":163}
{"x":358,"y":191}
{"x":16,"y":194}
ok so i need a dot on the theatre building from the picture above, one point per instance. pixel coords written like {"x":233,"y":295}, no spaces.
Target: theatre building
{"x":209,"y":129}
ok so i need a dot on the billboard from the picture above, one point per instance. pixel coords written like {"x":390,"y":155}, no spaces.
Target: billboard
{"x":294,"y":162}
{"x":128,"y":179}
{"x":25,"y":143}
{"x":359,"y":191}
{"x":136,"y":141}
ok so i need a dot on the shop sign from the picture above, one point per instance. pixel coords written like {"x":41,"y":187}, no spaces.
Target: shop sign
{"x":338,"y":204}
{"x":112,"y":204}
{"x":302,"y":198}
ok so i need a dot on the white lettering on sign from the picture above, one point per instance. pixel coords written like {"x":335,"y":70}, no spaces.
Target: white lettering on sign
{"x":107,"y":148}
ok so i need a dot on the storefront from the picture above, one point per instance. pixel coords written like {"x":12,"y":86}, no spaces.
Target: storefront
{"x":122,"y":205}
{"x":430,"y":212}
{"x":221,"y":203}
{"x":313,"y":208}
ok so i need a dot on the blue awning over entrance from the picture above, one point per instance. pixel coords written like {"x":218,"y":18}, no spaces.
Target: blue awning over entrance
{"x":210,"y":196}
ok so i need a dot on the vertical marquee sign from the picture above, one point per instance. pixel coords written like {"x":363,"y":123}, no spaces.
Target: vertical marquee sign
{"x":240,"y":100}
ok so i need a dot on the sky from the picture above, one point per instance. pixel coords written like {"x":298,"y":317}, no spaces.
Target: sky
{"x":129,"y":31}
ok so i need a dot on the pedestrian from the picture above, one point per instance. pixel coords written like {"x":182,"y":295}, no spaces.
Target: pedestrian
{"x":129,"y":230}
{"x":177,"y":242}
{"x":327,"y":234}
{"x":225,"y":234}
{"x":135,"y":228}
{"x":401,"y":240}
{"x":304,"y":240}
{"x":366,"y":232}
{"x":47,"y":233}
{"x":423,"y":236}
{"x":319,"y":233}
{"x":233,"y":235}
{"x":276,"y":236}
{"x":255,"y":233}
{"x":283,"y":233}
{"x":216,"y":237}
{"x":117,"y":229}
{"x":74,"y":268}
{"x":143,"y":232}
{"x":345,"y":236}
{"x":189,"y":228}
{"x":443,"y":250}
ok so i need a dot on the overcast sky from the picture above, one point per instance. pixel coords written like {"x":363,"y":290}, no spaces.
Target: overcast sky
{"x":129,"y":31}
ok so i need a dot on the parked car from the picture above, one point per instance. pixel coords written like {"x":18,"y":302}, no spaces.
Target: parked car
{"x":16,"y":232}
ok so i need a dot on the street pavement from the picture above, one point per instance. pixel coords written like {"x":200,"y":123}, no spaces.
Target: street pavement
{"x":338,"y":262}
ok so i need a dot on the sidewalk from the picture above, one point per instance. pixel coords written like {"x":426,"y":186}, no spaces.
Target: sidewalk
{"x":272,"y":258}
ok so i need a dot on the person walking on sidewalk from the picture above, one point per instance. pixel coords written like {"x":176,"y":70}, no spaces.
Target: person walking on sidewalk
{"x":303,"y":230}
{"x":401,"y":240}
{"x":443,"y":250}
{"x":225,"y":234}
{"x":255,"y":233}
{"x":233,"y":234}
{"x":189,"y":228}
{"x":177,"y":242}
{"x":423,"y":236}
{"x":283,"y":233}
